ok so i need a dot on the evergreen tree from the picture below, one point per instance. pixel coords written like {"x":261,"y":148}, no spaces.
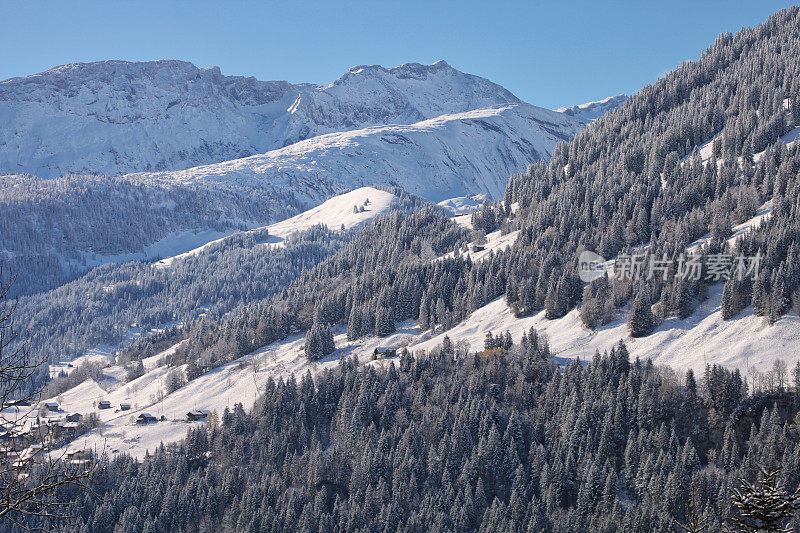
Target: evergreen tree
{"x":384,"y":315}
{"x":319,"y":342}
{"x":641,"y":320}
{"x":765,"y":505}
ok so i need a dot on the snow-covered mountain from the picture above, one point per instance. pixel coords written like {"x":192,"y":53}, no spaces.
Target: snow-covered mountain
{"x":467,"y":153}
{"x":591,"y":111}
{"x":234,"y":152}
{"x":116,"y":117}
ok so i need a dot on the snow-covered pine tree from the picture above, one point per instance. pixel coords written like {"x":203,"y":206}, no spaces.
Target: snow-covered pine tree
{"x":384,"y":315}
{"x":319,"y":341}
{"x":641,"y":320}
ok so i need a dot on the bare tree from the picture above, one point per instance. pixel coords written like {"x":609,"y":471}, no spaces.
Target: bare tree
{"x":781,"y":371}
{"x":35,"y":481}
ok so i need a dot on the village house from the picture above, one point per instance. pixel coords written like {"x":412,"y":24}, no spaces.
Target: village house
{"x":79,"y":457}
{"x":197,"y":414}
{"x":146,"y":418}
{"x":70,"y":429}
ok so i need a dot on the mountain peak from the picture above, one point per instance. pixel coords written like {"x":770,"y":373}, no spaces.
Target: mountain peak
{"x":169,"y":114}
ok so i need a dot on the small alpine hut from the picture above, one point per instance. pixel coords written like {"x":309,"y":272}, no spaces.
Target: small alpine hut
{"x":146,"y":418}
{"x":197,"y":414}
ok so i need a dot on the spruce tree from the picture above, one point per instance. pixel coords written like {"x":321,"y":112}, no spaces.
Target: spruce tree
{"x":728,"y":307}
{"x":319,"y":342}
{"x":384,"y":315}
{"x":641,"y":320}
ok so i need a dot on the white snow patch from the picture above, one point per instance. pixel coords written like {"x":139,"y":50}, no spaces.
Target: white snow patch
{"x":743,"y":342}
{"x":337,"y":212}
{"x":464,"y":205}
{"x":495,"y":241}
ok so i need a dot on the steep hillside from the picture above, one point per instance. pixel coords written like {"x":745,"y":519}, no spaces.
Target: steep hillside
{"x":619,"y":187}
{"x":451,"y":155}
{"x":115,"y":117}
{"x":113,"y":305}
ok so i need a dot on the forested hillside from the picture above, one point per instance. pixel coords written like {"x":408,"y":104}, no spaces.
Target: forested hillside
{"x":503,"y":439}
{"x":53,"y":230}
{"x":635,"y":176}
{"x":499,"y":441}
{"x":102,"y":306}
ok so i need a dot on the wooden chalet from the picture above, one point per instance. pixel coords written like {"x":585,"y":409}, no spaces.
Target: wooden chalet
{"x":146,"y":418}
{"x":197,"y":414}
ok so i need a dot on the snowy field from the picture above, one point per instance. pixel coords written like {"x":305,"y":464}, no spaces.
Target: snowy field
{"x":691,"y":343}
{"x":238,"y":382}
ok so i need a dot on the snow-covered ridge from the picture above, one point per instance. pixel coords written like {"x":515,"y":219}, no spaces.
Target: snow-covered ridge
{"x":468,"y":153}
{"x":591,"y":111}
{"x":115,"y":117}
{"x":463,"y":205}
{"x":349,"y":210}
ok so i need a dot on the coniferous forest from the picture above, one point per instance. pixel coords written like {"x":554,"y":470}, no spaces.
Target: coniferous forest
{"x":502,"y":440}
{"x":507,"y":438}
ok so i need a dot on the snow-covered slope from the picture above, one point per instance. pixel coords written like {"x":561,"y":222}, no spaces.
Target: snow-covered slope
{"x":467,"y":153}
{"x":115,"y":117}
{"x":691,"y":343}
{"x":463,"y":205}
{"x":238,"y":382}
{"x":348,"y":210}
{"x":591,"y":111}
{"x":702,"y":338}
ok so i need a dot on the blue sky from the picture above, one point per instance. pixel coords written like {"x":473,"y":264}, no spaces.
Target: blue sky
{"x":549,"y":54}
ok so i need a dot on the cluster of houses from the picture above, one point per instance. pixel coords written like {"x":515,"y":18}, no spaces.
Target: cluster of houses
{"x":50,"y":429}
{"x":24,"y":444}
{"x":192,"y":416}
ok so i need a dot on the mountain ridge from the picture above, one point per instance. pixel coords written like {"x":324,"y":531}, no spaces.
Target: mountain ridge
{"x":123,"y":117}
{"x":590,"y":111}
{"x":450,"y":155}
